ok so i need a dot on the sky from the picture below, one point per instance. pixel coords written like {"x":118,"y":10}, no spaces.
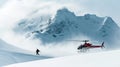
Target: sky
{"x":101,"y":8}
{"x":11,"y":11}
{"x":2,"y":2}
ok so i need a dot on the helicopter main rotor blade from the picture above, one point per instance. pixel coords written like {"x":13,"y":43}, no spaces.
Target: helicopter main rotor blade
{"x":75,"y":40}
{"x":79,"y":40}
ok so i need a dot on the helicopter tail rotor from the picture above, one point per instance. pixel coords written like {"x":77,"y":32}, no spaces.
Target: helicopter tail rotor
{"x":102,"y":45}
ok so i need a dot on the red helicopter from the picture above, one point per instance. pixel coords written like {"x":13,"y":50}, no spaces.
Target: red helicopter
{"x":84,"y":47}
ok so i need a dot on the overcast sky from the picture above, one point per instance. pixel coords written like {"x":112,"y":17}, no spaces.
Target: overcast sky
{"x":99,"y":7}
{"x":2,"y":2}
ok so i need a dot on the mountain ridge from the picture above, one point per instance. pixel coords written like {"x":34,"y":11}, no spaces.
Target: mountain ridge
{"x":66,"y":25}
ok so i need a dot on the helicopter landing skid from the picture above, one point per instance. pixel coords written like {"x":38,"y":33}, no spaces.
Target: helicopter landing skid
{"x":83,"y":50}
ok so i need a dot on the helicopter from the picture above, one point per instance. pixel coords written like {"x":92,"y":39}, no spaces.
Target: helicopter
{"x":84,"y":47}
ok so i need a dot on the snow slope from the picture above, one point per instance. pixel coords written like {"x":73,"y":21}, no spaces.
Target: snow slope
{"x":7,"y":57}
{"x":10,"y":54}
{"x":103,"y":59}
{"x":66,"y":25}
{"x":7,"y":47}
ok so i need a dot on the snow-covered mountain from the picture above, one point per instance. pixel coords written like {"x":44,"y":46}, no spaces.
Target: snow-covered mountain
{"x":10,"y":55}
{"x":66,"y":25}
{"x":103,"y":59}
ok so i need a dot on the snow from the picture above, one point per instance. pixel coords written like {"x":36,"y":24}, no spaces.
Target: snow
{"x":7,"y":57}
{"x":55,"y":32}
{"x":7,"y":47}
{"x":66,"y":25}
{"x":102,"y":59}
{"x":10,"y":54}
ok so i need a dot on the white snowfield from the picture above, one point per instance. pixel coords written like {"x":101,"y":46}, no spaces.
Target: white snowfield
{"x":11,"y":55}
{"x":103,"y":59}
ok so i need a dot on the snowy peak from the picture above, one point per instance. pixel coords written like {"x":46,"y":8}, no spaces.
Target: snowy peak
{"x":64,"y":13}
{"x":77,"y":23}
{"x":66,"y":25}
{"x":109,"y":27}
{"x":109,"y":32}
{"x":110,"y":23}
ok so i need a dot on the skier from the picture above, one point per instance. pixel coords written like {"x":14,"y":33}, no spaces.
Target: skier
{"x":37,"y":52}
